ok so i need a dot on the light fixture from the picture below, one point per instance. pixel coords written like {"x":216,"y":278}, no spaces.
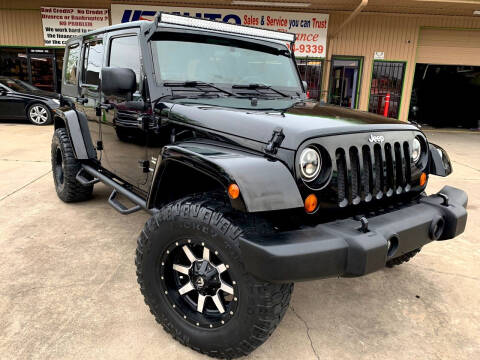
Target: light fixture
{"x":271,"y":3}
{"x":476,"y":12}
{"x":225,"y":27}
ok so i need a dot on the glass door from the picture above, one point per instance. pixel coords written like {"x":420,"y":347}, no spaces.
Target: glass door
{"x":13,"y":63}
{"x":386,"y":88}
{"x":43,"y":72}
{"x":344,"y":80}
{"x":311,"y":71}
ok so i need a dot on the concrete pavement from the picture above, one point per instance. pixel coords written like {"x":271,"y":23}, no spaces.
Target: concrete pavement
{"x":68,"y":287}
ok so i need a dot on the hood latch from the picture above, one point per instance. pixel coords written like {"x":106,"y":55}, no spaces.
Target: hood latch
{"x":275,"y":141}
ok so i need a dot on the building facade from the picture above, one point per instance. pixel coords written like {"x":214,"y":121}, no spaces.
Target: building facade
{"x":392,"y":58}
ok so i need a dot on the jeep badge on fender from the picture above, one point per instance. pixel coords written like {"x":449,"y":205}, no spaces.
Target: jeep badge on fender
{"x":250,"y":186}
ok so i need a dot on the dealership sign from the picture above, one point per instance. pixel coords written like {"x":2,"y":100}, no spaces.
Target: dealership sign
{"x":310,"y":28}
{"x":60,"y":24}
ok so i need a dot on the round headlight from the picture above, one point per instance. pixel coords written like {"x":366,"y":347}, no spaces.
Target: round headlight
{"x":310,"y":163}
{"x":416,"y":150}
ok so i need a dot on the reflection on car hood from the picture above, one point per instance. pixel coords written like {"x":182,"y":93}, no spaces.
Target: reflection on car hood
{"x":299,"y":122}
{"x":40,"y":93}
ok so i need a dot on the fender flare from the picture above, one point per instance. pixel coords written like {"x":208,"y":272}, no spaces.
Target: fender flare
{"x":76,"y":124}
{"x":440,"y":164}
{"x":265,"y":184}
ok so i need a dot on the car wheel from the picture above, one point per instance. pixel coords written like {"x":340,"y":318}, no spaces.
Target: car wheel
{"x":39,"y":114}
{"x":191,"y":273}
{"x":65,"y":168}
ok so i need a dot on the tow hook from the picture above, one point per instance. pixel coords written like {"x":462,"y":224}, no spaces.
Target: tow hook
{"x":444,"y":197}
{"x":363,"y":220}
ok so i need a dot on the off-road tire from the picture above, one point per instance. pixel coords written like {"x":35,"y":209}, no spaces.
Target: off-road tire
{"x":39,"y":122}
{"x":403,"y":258}
{"x":67,"y":187}
{"x":261,"y":305}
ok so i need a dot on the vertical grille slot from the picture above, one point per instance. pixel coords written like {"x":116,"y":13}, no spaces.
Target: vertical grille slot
{"x":390,"y":174}
{"x":355,"y":175}
{"x":367,"y":175}
{"x":407,"y":161}
{"x":399,"y":168}
{"x":378,"y":171}
{"x":341,"y":178}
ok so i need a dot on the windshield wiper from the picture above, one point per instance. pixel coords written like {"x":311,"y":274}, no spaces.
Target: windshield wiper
{"x":259,"y":86}
{"x":197,"y":84}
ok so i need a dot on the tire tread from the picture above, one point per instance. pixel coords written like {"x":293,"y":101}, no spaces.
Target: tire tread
{"x":73,"y":191}
{"x":272,"y":299}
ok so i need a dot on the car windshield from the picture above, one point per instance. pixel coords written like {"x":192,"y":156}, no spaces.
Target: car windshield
{"x":17,"y":85}
{"x":219,"y":63}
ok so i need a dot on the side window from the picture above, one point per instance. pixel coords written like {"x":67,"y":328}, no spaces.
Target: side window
{"x":125,"y":53}
{"x":92,"y":62}
{"x":71,"y":70}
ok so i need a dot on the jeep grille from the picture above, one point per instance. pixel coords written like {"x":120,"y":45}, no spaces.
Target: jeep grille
{"x":372,"y":172}
{"x":362,"y":172}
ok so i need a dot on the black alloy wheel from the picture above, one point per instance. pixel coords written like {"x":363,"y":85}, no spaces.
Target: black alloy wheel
{"x":197,"y":283}
{"x":192,"y":276}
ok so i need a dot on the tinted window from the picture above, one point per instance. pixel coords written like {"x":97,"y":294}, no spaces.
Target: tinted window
{"x":92,"y":63}
{"x":220,"y":63}
{"x":17,"y":85}
{"x":125,"y":53}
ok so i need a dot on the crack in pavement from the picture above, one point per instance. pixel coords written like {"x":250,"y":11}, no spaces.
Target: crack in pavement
{"x":445,"y":272}
{"x":470,"y":167}
{"x":24,"y":186}
{"x":34,"y":161}
{"x":308,"y":331}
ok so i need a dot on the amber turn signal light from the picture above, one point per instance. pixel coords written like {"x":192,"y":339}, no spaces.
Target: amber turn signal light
{"x":423,"y":179}
{"x":233,"y":191}
{"x":311,"y":203}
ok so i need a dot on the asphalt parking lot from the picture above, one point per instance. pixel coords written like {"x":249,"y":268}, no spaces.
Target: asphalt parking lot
{"x":68,"y":287}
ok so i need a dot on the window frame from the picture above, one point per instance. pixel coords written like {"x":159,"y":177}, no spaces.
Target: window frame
{"x":358,"y":90}
{"x":84,"y":58}
{"x":120,"y":34}
{"x":64,"y":70}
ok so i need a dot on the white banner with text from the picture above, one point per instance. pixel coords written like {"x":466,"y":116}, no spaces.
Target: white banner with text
{"x":310,"y":28}
{"x":60,"y":24}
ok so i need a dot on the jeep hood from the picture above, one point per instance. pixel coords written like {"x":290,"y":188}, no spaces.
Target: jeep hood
{"x":299,"y":122}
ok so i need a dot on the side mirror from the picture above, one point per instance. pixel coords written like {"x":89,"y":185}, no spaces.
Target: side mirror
{"x":118,"y":81}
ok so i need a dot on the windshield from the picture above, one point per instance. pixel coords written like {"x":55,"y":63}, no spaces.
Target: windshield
{"x":17,"y":85}
{"x":210,"y":62}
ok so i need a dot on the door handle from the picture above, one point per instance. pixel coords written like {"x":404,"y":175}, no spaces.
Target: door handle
{"x":82,"y":100}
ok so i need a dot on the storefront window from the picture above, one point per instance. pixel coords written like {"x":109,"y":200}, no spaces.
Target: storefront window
{"x":13,"y":63}
{"x":42,"y":72}
{"x":59,"y":66}
{"x":311,"y":72}
{"x":386,"y":88}
{"x":40,"y":67}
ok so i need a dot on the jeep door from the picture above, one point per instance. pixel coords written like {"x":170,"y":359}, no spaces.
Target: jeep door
{"x":88,"y":101}
{"x":123,"y":138}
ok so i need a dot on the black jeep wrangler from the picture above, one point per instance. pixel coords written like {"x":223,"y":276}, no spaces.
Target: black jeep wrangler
{"x":251,"y":186}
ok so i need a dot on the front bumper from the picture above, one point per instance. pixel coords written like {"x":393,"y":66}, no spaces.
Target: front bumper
{"x":341,"y":248}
